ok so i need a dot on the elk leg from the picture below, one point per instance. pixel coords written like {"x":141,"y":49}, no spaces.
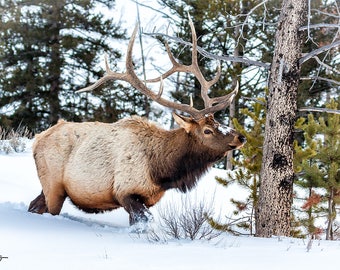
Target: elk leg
{"x":138,"y":212}
{"x":38,"y":205}
{"x":55,"y":200}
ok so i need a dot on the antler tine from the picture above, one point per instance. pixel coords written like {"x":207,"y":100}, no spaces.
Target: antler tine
{"x":221,"y":102}
{"x":107,"y":77}
{"x":111,"y":75}
{"x":194,"y":65}
{"x":205,"y":85}
{"x":176,"y":67}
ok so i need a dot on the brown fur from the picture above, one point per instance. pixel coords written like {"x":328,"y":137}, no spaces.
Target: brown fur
{"x":130,"y":163}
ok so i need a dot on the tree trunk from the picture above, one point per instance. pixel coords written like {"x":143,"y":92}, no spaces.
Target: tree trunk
{"x":54,"y":67}
{"x":330,"y":218}
{"x":277,"y":174}
{"x":232,"y":106}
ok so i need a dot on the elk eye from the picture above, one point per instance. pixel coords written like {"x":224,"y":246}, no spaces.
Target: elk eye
{"x":208,"y":131}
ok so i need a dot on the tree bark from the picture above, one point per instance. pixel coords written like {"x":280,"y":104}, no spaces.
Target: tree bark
{"x":55,"y":66}
{"x":277,"y":173}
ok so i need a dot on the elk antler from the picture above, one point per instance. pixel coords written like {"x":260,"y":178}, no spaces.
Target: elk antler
{"x":212,"y":105}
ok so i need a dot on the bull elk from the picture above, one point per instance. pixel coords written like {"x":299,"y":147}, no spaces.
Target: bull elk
{"x":132,"y":162}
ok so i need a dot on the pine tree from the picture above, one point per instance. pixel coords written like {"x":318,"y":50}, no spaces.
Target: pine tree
{"x":51,"y":49}
{"x":322,"y":170}
{"x":247,"y":174}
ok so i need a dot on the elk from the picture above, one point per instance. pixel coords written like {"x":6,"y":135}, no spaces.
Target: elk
{"x":132,"y":162}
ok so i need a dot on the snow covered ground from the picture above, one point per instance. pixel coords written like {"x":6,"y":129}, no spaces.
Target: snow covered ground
{"x":75,"y":240}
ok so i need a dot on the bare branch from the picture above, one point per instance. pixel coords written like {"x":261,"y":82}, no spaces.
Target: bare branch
{"x":326,"y":13}
{"x":320,"y":79}
{"x":326,"y":66}
{"x":319,"y":25}
{"x":248,"y":15}
{"x":308,"y":22}
{"x":313,"y":109}
{"x":164,"y":14}
{"x":203,"y":52}
{"x":318,"y":51}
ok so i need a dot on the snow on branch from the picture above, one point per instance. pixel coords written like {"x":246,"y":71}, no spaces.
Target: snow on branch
{"x":203,"y":52}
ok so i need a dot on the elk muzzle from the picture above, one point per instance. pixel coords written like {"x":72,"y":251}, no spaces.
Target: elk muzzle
{"x":238,"y":141}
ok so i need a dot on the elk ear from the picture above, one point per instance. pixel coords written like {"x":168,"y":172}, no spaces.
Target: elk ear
{"x":183,"y":122}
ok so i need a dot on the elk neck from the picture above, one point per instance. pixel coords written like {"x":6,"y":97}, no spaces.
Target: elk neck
{"x":180,"y":160}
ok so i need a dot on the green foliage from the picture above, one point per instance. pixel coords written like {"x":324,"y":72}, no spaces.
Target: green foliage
{"x":249,"y":166}
{"x":310,"y":171}
{"x":323,"y":138}
{"x":322,"y":168}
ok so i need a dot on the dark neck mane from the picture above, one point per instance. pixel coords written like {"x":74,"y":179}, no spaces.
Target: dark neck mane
{"x":181,"y":161}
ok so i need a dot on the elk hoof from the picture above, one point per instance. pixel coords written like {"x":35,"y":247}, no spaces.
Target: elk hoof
{"x":38,"y":205}
{"x":140,"y":222}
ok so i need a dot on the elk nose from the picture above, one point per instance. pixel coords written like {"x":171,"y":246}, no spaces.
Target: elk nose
{"x":242,"y":139}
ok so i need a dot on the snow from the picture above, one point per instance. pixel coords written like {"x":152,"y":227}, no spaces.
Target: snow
{"x":224,"y":129}
{"x":75,"y":240}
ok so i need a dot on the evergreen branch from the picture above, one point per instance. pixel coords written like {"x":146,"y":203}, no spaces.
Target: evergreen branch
{"x":318,"y":51}
{"x":313,"y":109}
{"x":254,"y":99}
{"x":213,"y":56}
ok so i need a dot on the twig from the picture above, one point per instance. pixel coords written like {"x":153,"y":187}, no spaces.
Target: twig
{"x":319,"y":25}
{"x":308,"y":23}
{"x":2,"y":257}
{"x":320,"y":79}
{"x":318,"y":51}
{"x":248,"y":15}
{"x":325,"y":65}
{"x":309,"y":245}
{"x":164,"y":14}
{"x":313,"y":109}
{"x":325,"y":13}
